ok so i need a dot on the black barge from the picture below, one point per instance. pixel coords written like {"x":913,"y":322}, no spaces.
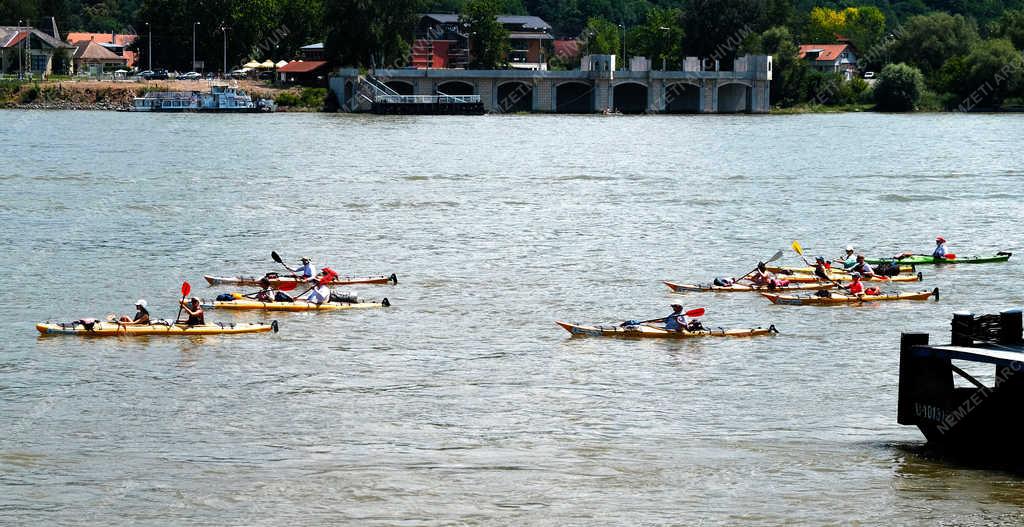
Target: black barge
{"x":979,"y":421}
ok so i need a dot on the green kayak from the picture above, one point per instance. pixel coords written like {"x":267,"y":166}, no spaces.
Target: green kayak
{"x":924,"y":259}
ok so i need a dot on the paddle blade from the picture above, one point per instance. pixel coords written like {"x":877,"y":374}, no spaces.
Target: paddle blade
{"x":699,"y":312}
{"x":186,"y":288}
{"x":774,"y":257}
{"x":796,"y":247}
{"x":276,"y":257}
{"x":287,"y":286}
{"x":951,"y":257}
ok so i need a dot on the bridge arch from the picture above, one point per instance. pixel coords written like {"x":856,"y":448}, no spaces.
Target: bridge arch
{"x":456,"y":88}
{"x":514,"y":97}
{"x":401,"y":87}
{"x":630,"y":97}
{"x":574,"y":97}
{"x":734,"y":97}
{"x":682,"y":97}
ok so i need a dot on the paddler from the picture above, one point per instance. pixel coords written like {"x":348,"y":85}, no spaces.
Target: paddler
{"x":849,"y":259}
{"x":821,"y":268}
{"x":141,"y":315}
{"x":306,"y":271}
{"x":761,"y":276}
{"x":194,"y":309}
{"x":319,"y":294}
{"x":863,"y":268}
{"x":266,"y":292}
{"x":677,"y":320}
{"x":940,"y":248}
{"x":856,"y":287}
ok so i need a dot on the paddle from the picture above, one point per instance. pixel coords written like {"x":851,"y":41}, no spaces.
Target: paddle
{"x":323,"y":280}
{"x":185,"y":290}
{"x":696,"y":312}
{"x":277,"y":258}
{"x":774,"y":257}
{"x":800,"y":250}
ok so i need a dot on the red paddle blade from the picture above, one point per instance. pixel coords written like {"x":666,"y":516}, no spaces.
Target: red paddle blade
{"x":185,"y":289}
{"x":287,"y":286}
{"x":951,"y":257}
{"x":699,"y":312}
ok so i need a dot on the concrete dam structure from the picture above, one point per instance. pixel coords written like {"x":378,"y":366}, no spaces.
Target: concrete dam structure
{"x":596,"y":87}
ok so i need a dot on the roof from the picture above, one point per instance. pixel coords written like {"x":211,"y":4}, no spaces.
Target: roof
{"x":102,"y":38}
{"x":300,"y":66}
{"x":92,"y":50}
{"x":10,"y":36}
{"x":318,"y":45}
{"x":525,"y":22}
{"x":826,"y":52}
{"x":530,"y":35}
{"x":567,"y":48}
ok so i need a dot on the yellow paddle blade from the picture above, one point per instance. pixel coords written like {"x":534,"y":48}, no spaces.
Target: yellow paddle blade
{"x":796,"y":247}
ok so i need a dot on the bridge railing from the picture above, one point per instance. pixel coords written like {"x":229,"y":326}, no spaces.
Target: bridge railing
{"x":428,"y":99}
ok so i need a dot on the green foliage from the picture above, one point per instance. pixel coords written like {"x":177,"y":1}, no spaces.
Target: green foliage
{"x":313,"y":98}
{"x":717,"y":28}
{"x":928,"y":41}
{"x":602,"y":37}
{"x":899,"y":88}
{"x":994,"y":72}
{"x":370,"y":32}
{"x":29,"y":94}
{"x":488,"y":39}
{"x":1010,"y":26}
{"x":658,"y":44}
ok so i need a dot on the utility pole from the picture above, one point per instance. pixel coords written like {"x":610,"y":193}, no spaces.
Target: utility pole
{"x":623,"y":28}
{"x":150,"y":41}
{"x":193,"y":66}
{"x":21,"y":56}
{"x":664,"y":52}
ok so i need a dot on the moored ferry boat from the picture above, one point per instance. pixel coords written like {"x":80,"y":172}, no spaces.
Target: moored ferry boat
{"x":219,"y":99}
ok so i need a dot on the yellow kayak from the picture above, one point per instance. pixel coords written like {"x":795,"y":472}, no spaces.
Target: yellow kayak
{"x":113,"y":329}
{"x":298,"y":305}
{"x":809,"y":278}
{"x":653,"y":332}
{"x":784,"y":269}
{"x":840,"y":299}
{"x":740,"y":288}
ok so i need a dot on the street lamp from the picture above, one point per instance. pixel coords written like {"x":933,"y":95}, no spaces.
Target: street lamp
{"x":224,"y":29}
{"x":624,"y":65}
{"x":664,"y":52}
{"x":194,"y":24}
{"x":150,"y":41}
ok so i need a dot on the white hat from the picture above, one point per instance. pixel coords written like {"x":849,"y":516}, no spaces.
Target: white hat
{"x":141,"y":302}
{"x":849,"y":248}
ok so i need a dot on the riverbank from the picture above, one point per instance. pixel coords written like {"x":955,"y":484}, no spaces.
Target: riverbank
{"x":105,"y":95}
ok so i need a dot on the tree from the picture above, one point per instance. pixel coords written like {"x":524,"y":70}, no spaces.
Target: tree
{"x":899,"y":88}
{"x":370,"y":32}
{"x":788,"y":71}
{"x":993,"y":73}
{"x":660,"y":38}
{"x":716,"y":28}
{"x":488,"y":39}
{"x":862,"y":26}
{"x":602,"y":37}
{"x":928,"y":41}
{"x":1011,"y":26}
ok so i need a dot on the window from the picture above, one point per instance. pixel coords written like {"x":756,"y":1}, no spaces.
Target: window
{"x":39,"y":63}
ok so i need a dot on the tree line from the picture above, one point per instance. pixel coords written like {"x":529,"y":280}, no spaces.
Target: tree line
{"x":947,"y":51}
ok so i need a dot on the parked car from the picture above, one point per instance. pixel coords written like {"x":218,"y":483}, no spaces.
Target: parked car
{"x":191,"y":76}
{"x":869,"y":74}
{"x":160,"y":74}
{"x":240,"y":74}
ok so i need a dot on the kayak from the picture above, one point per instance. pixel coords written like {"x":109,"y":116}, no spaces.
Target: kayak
{"x":804,"y":279}
{"x":653,"y":332}
{"x":837,"y":299}
{"x":786,"y":270}
{"x":298,"y":305}
{"x":921,"y":259}
{"x":737,"y":288}
{"x":113,"y":329}
{"x":278,"y":280}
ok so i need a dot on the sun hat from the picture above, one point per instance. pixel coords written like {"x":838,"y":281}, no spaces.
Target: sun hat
{"x":141,"y":302}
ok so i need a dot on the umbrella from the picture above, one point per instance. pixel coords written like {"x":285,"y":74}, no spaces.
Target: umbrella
{"x":267,"y":64}
{"x":281,"y":64}
{"x":251,"y":64}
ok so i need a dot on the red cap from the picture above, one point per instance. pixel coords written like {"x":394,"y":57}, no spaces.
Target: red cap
{"x":940,"y":239}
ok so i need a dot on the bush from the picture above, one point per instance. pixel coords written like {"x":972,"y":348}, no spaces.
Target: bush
{"x":307,"y":98}
{"x":30,"y":94}
{"x":899,"y":88}
{"x":287,"y":99}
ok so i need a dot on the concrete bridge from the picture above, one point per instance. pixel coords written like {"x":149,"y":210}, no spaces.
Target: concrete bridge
{"x":593,"y":88}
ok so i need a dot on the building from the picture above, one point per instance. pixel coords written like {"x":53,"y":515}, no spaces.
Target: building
{"x":833,"y":58}
{"x":441,"y":42}
{"x":32,"y":51}
{"x":305,"y":72}
{"x":312,"y":52}
{"x":116,"y":43}
{"x":92,"y":58}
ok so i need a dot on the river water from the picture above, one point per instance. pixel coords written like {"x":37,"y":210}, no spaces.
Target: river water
{"x":464,"y":402}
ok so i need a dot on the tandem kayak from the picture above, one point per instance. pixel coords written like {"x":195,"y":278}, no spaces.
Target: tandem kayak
{"x":838,"y":277}
{"x":738,"y":288}
{"x":837,"y":299}
{"x":298,"y":305}
{"x":644,"y":331}
{"x":923,"y":259}
{"x":787,"y":270}
{"x":277,"y":281}
{"x":113,"y":329}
